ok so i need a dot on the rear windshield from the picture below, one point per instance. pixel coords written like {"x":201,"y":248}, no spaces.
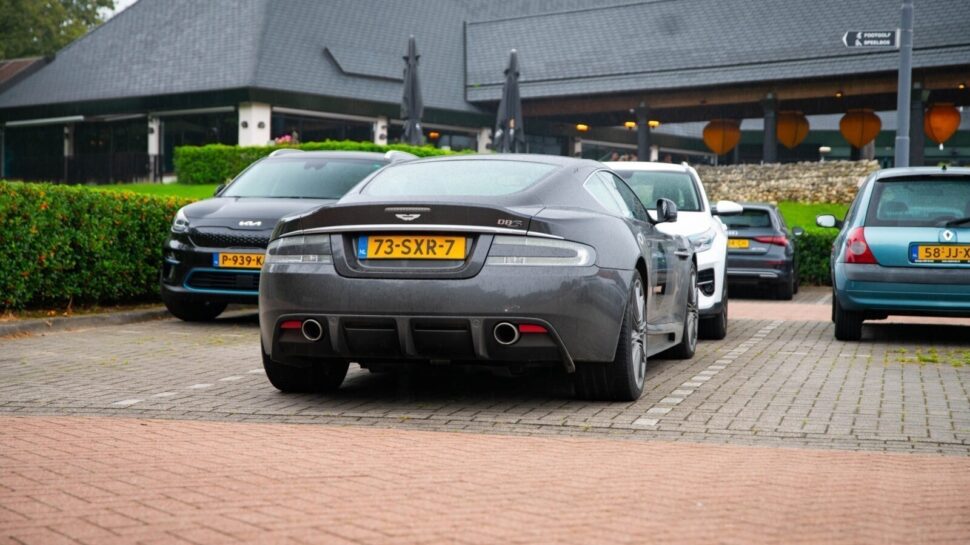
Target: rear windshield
{"x":463,"y":178}
{"x":750,"y":218}
{"x":302,"y":178}
{"x":921,"y":202}
{"x":676,"y":186}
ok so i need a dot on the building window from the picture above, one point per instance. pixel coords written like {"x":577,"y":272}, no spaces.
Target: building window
{"x":545,"y":145}
{"x":318,"y":129}
{"x":196,"y":130}
{"x":34,"y":153}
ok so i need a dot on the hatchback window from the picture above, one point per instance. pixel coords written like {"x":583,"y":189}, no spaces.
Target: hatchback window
{"x":471,"y":178}
{"x":676,"y":186}
{"x":750,"y":218}
{"x":918,"y":202}
{"x":301,"y":178}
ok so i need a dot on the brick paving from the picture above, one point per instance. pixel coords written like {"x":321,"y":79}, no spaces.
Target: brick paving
{"x":904,"y":388}
{"x":104,"y":480}
{"x":168,"y":432}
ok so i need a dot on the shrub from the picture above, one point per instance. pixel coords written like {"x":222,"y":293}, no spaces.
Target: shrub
{"x":219,"y":163}
{"x":814,"y":252}
{"x":70,"y":243}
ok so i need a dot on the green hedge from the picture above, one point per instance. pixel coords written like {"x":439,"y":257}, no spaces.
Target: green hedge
{"x":814,"y":251}
{"x":218,"y":163}
{"x":70,"y":243}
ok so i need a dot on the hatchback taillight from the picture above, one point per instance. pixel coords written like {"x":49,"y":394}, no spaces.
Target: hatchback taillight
{"x":779,"y":240}
{"x":857,"y":249}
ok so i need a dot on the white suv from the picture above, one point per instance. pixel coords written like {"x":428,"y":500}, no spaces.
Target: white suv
{"x":698,"y":221}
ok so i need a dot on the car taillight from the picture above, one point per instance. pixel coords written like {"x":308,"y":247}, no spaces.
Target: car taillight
{"x":857,"y":249}
{"x":780,"y":240}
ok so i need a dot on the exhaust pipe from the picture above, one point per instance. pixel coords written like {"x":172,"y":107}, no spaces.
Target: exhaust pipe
{"x":312,"y":330}
{"x":505,"y":333}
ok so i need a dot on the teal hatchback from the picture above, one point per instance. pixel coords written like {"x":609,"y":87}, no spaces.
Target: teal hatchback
{"x":903,"y":249}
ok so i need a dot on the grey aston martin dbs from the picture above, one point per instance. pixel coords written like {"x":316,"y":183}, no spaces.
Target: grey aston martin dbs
{"x":514,"y":261}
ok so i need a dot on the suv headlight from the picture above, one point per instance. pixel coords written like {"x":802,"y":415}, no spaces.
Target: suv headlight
{"x":181,"y":223}
{"x":702,"y":241}
{"x":300,"y":249}
{"x":509,"y":250}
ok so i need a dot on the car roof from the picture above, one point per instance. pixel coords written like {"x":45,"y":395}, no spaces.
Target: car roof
{"x":903,"y":172}
{"x":561,"y":186}
{"x":652,"y":166}
{"x":299,"y":154}
{"x":759,"y":205}
{"x":523,"y":157}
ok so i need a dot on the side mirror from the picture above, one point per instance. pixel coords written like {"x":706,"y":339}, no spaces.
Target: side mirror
{"x":666,"y":211}
{"x":797,"y":231}
{"x":827,"y":220}
{"x":218,"y":190}
{"x":726,"y":208}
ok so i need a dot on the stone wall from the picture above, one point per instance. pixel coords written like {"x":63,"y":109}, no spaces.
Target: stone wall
{"x":830,"y":182}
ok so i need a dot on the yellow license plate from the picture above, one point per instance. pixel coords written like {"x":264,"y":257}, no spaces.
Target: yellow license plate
{"x":410,"y":247}
{"x":238,"y":261}
{"x":940,"y":253}
{"x":738,"y":243}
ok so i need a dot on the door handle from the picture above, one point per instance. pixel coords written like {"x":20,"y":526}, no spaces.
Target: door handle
{"x":683,"y":254}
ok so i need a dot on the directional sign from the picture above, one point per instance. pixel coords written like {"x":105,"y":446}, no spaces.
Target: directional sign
{"x":871,"y":38}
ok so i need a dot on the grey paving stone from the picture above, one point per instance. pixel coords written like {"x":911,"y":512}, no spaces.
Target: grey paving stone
{"x":834,"y":395}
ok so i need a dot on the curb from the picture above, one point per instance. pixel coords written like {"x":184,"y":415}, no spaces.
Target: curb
{"x":43,"y":325}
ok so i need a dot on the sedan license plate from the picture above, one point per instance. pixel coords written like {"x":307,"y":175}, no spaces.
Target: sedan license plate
{"x":738,"y":243}
{"x":238,"y":261}
{"x":410,"y":247}
{"x":939,"y":253}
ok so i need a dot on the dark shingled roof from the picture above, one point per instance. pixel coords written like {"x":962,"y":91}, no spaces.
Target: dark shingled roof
{"x":352,"y":49}
{"x":666,"y":44}
{"x":159,"y":47}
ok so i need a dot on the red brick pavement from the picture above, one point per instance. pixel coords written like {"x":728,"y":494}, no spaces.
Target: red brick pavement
{"x":113,"y":480}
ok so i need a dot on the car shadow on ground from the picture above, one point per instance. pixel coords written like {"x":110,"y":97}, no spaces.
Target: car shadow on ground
{"x":916,"y":333}
{"x":441,"y":384}
{"x":464,"y":385}
{"x":751,"y":292}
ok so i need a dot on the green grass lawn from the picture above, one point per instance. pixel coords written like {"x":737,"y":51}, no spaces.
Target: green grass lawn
{"x":803,"y":215}
{"x":195,"y":192}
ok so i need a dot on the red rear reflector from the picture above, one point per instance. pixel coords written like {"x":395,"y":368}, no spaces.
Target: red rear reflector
{"x":857,"y":249}
{"x":291,"y":324}
{"x":780,"y":240}
{"x":532,"y":328}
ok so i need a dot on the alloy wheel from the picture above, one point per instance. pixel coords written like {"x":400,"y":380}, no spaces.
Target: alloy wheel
{"x":638,"y":337}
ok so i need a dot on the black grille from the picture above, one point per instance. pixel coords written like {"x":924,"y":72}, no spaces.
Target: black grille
{"x":229,"y":238}
{"x":211,"y":280}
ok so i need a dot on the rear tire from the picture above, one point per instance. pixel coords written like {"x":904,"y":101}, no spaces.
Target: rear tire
{"x":715,"y":327}
{"x":688,"y":342}
{"x":848,"y":325}
{"x":621,"y":379}
{"x":194,"y":311}
{"x":321,"y":376}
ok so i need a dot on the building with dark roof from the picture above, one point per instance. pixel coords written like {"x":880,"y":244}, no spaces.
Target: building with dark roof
{"x":163,"y":73}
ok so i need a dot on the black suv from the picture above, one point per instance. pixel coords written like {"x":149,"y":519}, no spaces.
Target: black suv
{"x":215,"y":250}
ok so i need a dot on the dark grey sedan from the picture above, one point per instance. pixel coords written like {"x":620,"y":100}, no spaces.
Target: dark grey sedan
{"x":762,"y":250}
{"x":510,"y":261}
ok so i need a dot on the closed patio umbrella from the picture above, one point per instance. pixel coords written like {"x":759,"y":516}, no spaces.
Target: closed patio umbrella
{"x":509,"y":129}
{"x":412,"y":107}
